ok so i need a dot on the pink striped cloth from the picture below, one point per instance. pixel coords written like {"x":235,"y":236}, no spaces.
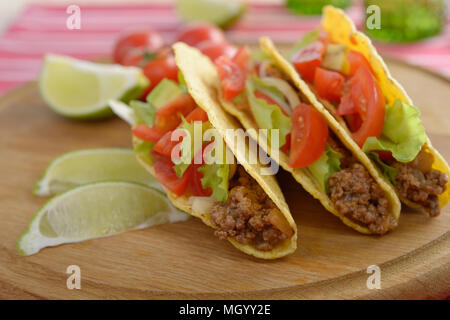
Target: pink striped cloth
{"x":42,"y":28}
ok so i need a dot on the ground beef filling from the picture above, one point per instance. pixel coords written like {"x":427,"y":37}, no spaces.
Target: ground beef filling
{"x":245,"y":216}
{"x":357,"y":196}
{"x":420,"y":184}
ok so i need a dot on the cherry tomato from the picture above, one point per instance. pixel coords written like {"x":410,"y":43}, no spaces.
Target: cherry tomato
{"x":146,"y":133}
{"x":369,"y":104}
{"x":306,"y":60}
{"x":309,"y":136}
{"x":163,"y":66}
{"x":196,"y":33}
{"x":198,"y":114}
{"x":386,"y":156}
{"x":166,"y":175}
{"x":346,"y":106}
{"x":353,"y":121}
{"x":136,"y":43}
{"x":355,"y":60}
{"x":213,"y":50}
{"x":328,"y":84}
{"x":169,"y":117}
{"x":232,"y":77}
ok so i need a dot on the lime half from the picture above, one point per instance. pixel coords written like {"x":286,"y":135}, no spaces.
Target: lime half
{"x":81,"y":89}
{"x":92,"y":165}
{"x":96,"y":210}
{"x":222,"y":13}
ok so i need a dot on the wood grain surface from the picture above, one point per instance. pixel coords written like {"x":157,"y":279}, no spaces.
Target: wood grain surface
{"x":185,"y":260}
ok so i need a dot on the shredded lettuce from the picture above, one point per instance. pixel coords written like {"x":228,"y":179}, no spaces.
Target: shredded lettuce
{"x":166,"y":91}
{"x":182,"y":82}
{"x":269,"y":90}
{"x":267,"y":116}
{"x":215,"y":176}
{"x":403,"y":133}
{"x":144,"y":113}
{"x":260,"y":56}
{"x":388,"y":171}
{"x":143,"y":149}
{"x":306,"y":40}
{"x":187,"y":145}
{"x":328,"y":164}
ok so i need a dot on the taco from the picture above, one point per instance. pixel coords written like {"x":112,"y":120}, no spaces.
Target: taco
{"x":262,"y":95}
{"x":230,"y":195}
{"x":343,"y":69}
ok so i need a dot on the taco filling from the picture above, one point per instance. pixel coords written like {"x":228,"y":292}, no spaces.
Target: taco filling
{"x":237,"y":206}
{"x":392,"y":135}
{"x":259,"y":88}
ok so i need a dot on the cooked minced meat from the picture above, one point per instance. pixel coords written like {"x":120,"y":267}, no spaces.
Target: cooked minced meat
{"x":420,"y":185}
{"x":358,"y":197}
{"x":247,"y":214}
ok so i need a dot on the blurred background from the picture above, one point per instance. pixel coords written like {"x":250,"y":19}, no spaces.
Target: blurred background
{"x":415,"y":31}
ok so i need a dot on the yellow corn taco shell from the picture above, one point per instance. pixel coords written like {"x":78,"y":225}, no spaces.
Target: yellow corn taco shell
{"x":303,"y":175}
{"x":189,"y":60}
{"x":341,"y":30}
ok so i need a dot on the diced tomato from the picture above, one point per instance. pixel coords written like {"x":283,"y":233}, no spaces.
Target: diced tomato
{"x":386,"y":156}
{"x":287,"y":145}
{"x":329,"y":84}
{"x":196,"y":33}
{"x":309,"y":136}
{"x":135,"y":43}
{"x":195,"y":183}
{"x":198,"y":114}
{"x":369,"y":104}
{"x":308,"y":59}
{"x":162,"y":66}
{"x":231,"y":76}
{"x":346,"y":106}
{"x":242,"y":58}
{"x":146,"y":133}
{"x":166,"y":175}
{"x":169,"y":117}
{"x":355,"y":60}
{"x":165,"y":145}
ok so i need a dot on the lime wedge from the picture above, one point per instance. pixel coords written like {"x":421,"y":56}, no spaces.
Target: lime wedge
{"x":92,"y":165}
{"x":222,"y":13}
{"x":96,"y":210}
{"x":81,"y":89}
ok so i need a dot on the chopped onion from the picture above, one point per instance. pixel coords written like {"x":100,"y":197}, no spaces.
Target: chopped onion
{"x":122,"y":110}
{"x":201,"y":205}
{"x":263,"y":67}
{"x":287,"y":91}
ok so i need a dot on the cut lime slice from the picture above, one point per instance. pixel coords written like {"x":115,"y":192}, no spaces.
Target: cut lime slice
{"x":96,"y":210}
{"x":92,"y":165}
{"x":81,"y":89}
{"x":222,"y":13}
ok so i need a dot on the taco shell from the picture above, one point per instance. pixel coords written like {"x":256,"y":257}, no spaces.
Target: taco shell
{"x":189,"y":60}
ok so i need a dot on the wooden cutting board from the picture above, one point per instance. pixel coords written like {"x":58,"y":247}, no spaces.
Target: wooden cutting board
{"x":185,"y":260}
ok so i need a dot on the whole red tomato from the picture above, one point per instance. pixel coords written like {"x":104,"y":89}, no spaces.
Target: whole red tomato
{"x":194,"y":34}
{"x":135,"y":44}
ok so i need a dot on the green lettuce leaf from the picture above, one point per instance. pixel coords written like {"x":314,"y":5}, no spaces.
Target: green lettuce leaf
{"x":267,"y":116}
{"x":403,"y":133}
{"x":388,"y":171}
{"x":144,"y":113}
{"x":166,"y":91}
{"x":328,"y":164}
{"x":143,"y":149}
{"x":306,"y":40}
{"x":215,"y":176}
{"x":182,"y":82}
{"x":187,"y":145}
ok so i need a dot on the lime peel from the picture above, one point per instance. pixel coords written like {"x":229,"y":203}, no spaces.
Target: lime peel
{"x":96,"y":210}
